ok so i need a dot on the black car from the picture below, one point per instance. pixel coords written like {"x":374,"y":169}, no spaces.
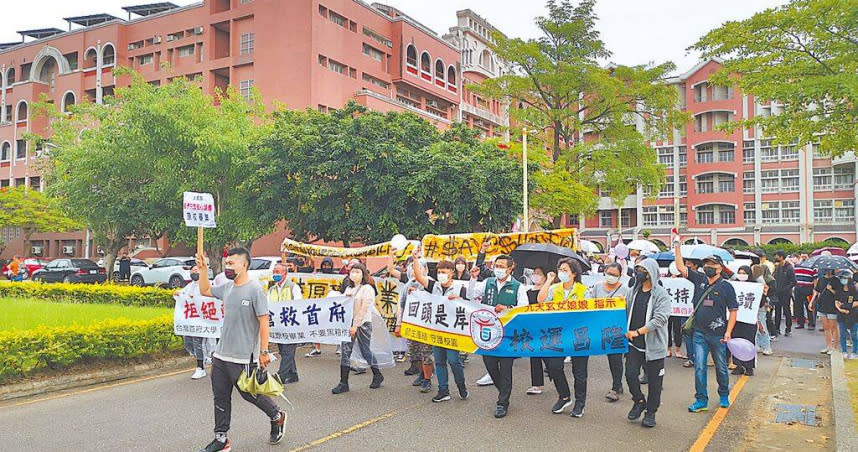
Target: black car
{"x":71,"y":271}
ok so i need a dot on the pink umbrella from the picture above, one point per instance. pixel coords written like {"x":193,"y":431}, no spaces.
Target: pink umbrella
{"x":832,"y":249}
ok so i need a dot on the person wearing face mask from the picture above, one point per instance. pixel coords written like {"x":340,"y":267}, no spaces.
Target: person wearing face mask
{"x":195,"y":345}
{"x":804,"y":279}
{"x":743,"y":330}
{"x":421,"y":354}
{"x":759,"y":273}
{"x":444,"y":287}
{"x":284,"y":289}
{"x":502,"y":292}
{"x":846,"y":303}
{"x":569,"y":288}
{"x":823,"y":301}
{"x":784,"y":284}
{"x":360,"y":286}
{"x":612,"y":288}
{"x":647,"y":312}
{"x":243,"y":343}
{"x":715,"y":311}
{"x":327,"y":266}
{"x":537,"y":371}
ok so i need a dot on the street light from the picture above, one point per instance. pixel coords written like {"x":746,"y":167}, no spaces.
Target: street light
{"x":526,"y":219}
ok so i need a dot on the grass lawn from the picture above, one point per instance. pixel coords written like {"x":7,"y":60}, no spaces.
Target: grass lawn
{"x":26,"y":313}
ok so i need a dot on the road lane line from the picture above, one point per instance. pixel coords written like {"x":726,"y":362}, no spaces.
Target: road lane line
{"x":99,"y":388}
{"x":712,"y":426}
{"x":354,"y":428}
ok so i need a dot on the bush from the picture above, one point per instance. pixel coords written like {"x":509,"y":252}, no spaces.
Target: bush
{"x":91,"y":293}
{"x":23,"y":352}
{"x":791,"y":248}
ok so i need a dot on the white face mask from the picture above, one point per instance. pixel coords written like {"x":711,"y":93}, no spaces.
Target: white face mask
{"x":563,"y":276}
{"x":537,"y":279}
{"x":500,"y":273}
{"x":611,"y":279}
{"x":742,"y":277}
{"x":460,"y":267}
{"x":356,"y":277}
{"x":443,"y":278}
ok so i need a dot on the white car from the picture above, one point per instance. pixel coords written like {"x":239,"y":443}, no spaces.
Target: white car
{"x":174,"y":272}
{"x":136,"y":264}
{"x":261,"y":268}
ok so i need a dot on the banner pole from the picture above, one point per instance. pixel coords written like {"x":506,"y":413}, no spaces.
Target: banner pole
{"x":200,"y":241}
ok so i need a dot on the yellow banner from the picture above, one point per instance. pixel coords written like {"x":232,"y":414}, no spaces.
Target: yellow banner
{"x":307,"y":249}
{"x":437,"y":247}
{"x":460,"y":342}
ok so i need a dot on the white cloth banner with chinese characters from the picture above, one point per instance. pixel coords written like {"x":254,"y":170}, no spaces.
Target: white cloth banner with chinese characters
{"x":322,"y":320}
{"x":198,"y":210}
{"x":196,"y":315}
{"x":748,"y":296}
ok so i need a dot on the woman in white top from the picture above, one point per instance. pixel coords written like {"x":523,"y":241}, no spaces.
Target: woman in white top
{"x":359,"y":285}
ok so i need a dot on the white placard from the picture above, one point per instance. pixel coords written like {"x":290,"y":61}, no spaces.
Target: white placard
{"x":198,"y":210}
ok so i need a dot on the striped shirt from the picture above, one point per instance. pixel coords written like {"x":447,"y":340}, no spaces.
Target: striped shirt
{"x":804,"y":276}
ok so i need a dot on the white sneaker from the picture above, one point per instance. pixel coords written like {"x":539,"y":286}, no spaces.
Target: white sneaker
{"x":485,"y":381}
{"x":534,"y":390}
{"x":767,"y":352}
{"x":825,"y":351}
{"x":199,"y":373}
{"x":567,"y":360}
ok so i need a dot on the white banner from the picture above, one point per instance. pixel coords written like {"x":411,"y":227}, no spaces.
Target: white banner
{"x":198,"y":210}
{"x":748,"y":296}
{"x":323,"y":320}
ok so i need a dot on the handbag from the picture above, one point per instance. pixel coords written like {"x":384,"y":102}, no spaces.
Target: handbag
{"x":689,"y":324}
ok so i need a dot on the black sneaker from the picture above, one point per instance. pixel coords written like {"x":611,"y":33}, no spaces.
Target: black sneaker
{"x":340,"y":388}
{"x":561,"y":406}
{"x":739,"y":370}
{"x":413,"y":370}
{"x":442,"y":396}
{"x":291,"y":378}
{"x":578,"y":410}
{"x":217,"y":446}
{"x":500,"y":411}
{"x":648,"y":420}
{"x":788,"y":334}
{"x":359,"y":370}
{"x":464,"y":394}
{"x":426,"y":386}
{"x":644,"y":379}
{"x":636,"y":411}
{"x":749,"y":371}
{"x":376,"y":381}
{"x":277,"y":429}
{"x":799,"y":327}
{"x":417,"y":381}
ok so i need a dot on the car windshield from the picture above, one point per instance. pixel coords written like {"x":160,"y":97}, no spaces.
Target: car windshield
{"x":259,"y":264}
{"x":189,"y":262}
{"x":83,"y":263}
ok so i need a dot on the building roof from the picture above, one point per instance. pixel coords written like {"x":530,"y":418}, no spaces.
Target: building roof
{"x":148,"y":9}
{"x":92,"y":19}
{"x":40,"y":33}
{"x":6,"y":45}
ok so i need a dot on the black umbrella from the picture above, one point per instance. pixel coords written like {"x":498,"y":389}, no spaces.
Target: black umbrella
{"x":545,"y":255}
{"x":822,"y":263}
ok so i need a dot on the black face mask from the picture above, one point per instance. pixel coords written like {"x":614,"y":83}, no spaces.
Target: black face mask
{"x":710,"y":271}
{"x":229,"y":273}
{"x":640,"y":275}
{"x":195,"y":276}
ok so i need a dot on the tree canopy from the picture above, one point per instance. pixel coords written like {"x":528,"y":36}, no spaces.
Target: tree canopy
{"x":803,"y":55}
{"x":32,"y":212}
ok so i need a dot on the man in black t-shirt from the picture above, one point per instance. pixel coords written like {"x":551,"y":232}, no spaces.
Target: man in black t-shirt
{"x":714,"y":318}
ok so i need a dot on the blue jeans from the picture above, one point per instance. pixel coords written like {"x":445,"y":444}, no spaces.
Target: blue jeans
{"x":703,"y":344}
{"x":442,"y":357}
{"x":852,"y":332}
{"x":763,"y":339}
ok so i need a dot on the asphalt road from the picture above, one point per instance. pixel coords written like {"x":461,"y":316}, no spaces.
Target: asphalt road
{"x":174,"y":413}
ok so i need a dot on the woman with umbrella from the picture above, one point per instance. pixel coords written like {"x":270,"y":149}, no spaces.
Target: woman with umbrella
{"x":823,"y":298}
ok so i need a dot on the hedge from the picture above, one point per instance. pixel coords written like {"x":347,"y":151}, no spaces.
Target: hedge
{"x":24,"y":352}
{"x":91,"y":293}
{"x":791,"y":248}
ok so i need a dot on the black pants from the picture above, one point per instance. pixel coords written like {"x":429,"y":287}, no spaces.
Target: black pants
{"x":615,"y":362}
{"x":800,"y":305}
{"x":500,"y":369}
{"x":579,"y":374}
{"x":674,"y":330}
{"x":224,"y":377}
{"x":288,"y":367}
{"x":635,"y":360}
{"x":783,"y":309}
{"x":537,"y":374}
{"x":558,"y":375}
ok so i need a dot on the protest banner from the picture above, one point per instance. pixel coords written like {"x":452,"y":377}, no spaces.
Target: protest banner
{"x":196,"y":315}
{"x":748,"y":295}
{"x":569,"y":328}
{"x":437,"y":247}
{"x":681,"y":293}
{"x":307,"y":249}
{"x":321,"y":320}
{"x":198,"y":210}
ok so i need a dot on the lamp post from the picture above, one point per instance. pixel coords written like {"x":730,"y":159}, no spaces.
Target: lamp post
{"x":525,"y":218}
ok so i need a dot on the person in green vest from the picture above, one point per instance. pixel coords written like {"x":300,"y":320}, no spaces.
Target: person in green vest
{"x":502,"y":292}
{"x":284,"y":289}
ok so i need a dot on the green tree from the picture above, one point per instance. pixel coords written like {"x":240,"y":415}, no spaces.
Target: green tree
{"x":121,"y":167}
{"x":583,"y":111}
{"x":803,"y":55}
{"x":362,"y":176}
{"x":32,"y":212}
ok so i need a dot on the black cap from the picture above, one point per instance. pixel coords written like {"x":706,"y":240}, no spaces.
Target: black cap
{"x":714,"y":259}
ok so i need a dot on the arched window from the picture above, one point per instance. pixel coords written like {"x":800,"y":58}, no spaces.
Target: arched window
{"x":48,"y":72}
{"x":440,"y":73}
{"x":735,"y":242}
{"x":779,"y":241}
{"x":10,"y":76}
{"x":6,"y":151}
{"x":90,"y":58}
{"x":451,"y":79}
{"x":108,"y":55}
{"x":68,"y":101}
{"x":411,"y":59}
{"x":426,"y":66}
{"x":21,"y":115}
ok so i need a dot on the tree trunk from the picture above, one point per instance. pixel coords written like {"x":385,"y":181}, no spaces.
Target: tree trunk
{"x":111,"y":251}
{"x":27,"y":234}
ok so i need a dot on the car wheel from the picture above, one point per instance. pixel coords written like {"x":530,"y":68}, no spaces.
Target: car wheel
{"x":115,"y":276}
{"x":68,"y":280}
{"x":137,"y":280}
{"x":177,"y":282}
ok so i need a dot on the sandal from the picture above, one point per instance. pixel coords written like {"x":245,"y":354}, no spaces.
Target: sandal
{"x":688,"y":363}
{"x":680,"y":356}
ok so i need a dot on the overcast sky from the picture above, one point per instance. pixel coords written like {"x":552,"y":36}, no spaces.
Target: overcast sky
{"x":636,"y":31}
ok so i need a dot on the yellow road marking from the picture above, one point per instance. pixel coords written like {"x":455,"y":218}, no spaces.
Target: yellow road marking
{"x":712,"y":427}
{"x":98,"y":388}
{"x":353,"y":428}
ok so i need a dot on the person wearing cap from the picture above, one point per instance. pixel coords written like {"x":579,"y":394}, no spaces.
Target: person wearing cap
{"x":715,"y":312}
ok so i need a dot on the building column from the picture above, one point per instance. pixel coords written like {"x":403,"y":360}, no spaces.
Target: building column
{"x":758,"y":193}
{"x":99,"y":62}
{"x":805,"y":199}
{"x":3,"y":83}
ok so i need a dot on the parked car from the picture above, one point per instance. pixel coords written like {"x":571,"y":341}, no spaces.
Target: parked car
{"x":34,"y":263}
{"x":71,"y":271}
{"x":262,"y":267}
{"x":136,"y":264}
{"x":174,"y":272}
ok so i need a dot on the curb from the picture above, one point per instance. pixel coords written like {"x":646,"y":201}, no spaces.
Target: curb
{"x":65,"y":382}
{"x":844,"y":420}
